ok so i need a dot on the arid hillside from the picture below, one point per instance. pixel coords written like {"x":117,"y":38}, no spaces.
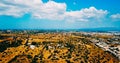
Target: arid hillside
{"x":55,"y":48}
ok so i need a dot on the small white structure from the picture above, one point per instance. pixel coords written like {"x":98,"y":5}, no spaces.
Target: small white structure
{"x":32,"y":46}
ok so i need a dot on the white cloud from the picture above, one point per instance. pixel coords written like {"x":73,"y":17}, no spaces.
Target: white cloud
{"x":12,"y":8}
{"x":86,"y":14}
{"x":115,"y":17}
{"x":50,"y":10}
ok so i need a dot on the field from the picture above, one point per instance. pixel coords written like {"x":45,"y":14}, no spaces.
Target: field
{"x":55,"y":47}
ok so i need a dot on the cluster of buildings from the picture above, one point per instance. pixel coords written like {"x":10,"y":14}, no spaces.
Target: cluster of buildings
{"x":111,"y":45}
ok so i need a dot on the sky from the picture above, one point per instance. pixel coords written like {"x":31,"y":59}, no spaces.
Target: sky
{"x":59,"y":14}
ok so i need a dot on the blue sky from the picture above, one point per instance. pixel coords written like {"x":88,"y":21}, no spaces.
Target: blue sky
{"x":59,"y":14}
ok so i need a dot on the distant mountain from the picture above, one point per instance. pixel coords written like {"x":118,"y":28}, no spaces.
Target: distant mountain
{"x":102,"y":29}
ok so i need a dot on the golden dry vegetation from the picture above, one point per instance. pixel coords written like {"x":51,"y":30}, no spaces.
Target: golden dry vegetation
{"x":51,"y":48}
